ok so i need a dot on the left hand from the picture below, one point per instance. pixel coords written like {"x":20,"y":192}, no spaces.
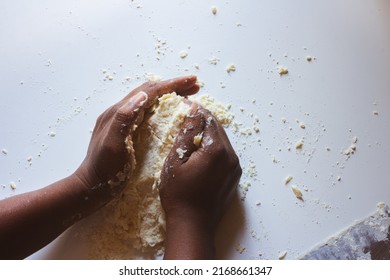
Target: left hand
{"x":107,"y":153}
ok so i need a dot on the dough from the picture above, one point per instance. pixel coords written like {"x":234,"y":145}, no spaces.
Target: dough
{"x":134,"y":225}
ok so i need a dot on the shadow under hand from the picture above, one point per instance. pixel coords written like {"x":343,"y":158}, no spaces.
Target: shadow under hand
{"x":230,"y":228}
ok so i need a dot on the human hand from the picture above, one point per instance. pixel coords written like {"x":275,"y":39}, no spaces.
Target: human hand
{"x":107,"y":154}
{"x":196,"y":188}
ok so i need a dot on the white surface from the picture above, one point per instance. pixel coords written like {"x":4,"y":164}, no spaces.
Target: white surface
{"x":53,"y":53}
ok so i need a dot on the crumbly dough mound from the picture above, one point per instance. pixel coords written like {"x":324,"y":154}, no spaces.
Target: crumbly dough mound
{"x":133,"y":226}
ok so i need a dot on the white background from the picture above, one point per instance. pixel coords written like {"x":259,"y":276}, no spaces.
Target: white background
{"x":52,"y":56}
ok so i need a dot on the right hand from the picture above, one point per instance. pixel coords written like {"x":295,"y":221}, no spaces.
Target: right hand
{"x":199,"y":185}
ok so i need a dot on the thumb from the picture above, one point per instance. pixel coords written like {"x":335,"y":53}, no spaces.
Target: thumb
{"x":131,"y":112}
{"x":189,"y":138}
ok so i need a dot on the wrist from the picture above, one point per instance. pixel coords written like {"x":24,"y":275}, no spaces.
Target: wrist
{"x":189,"y":237}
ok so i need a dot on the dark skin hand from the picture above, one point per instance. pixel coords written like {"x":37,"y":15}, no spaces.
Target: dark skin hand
{"x":31,"y":220}
{"x":196,"y":188}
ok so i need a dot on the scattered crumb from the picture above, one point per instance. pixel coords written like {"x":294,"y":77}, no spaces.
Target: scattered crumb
{"x":213,"y":60}
{"x":183,"y":54}
{"x":297,"y":192}
{"x":309,"y":58}
{"x":52,"y":133}
{"x":29,"y":159}
{"x":338,"y":178}
{"x":282,"y":70}
{"x":380,"y":205}
{"x":350,"y":150}
{"x":12,"y":184}
{"x":200,"y":83}
{"x":196,"y":66}
{"x":240,"y":248}
{"x":302,"y":125}
{"x":198,"y":139}
{"x":258,"y":203}
{"x":252,"y":172}
{"x":299,"y":145}
{"x":231,"y":68}
{"x":214,"y":10}
{"x":288,"y":179}
{"x":4,"y":151}
{"x":376,"y":113}
{"x":180,"y":152}
{"x":282,"y":255}
{"x":151,"y":77}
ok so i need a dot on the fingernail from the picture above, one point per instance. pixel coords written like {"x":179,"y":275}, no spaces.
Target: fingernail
{"x":139,"y":98}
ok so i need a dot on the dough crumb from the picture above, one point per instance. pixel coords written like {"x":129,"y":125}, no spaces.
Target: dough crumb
{"x":302,"y":125}
{"x":288,"y":179}
{"x":52,"y":133}
{"x":282,"y":71}
{"x":240,"y":249}
{"x":299,"y":145}
{"x":198,"y":139}
{"x":309,"y":58}
{"x":151,"y":77}
{"x":4,"y":151}
{"x":297,"y":192}
{"x":214,"y":10}
{"x":213,"y":60}
{"x":350,"y":150}
{"x":375,"y":113}
{"x":183,"y":54}
{"x":282,"y":255}
{"x":231,"y":68}
{"x":380,"y":205}
{"x":12,"y":185}
{"x":180,"y":152}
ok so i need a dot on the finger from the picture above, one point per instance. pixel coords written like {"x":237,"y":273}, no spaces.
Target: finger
{"x":214,"y":133}
{"x":180,"y":85}
{"x":183,"y":86}
{"x":189,"y":138}
{"x":130,"y":112}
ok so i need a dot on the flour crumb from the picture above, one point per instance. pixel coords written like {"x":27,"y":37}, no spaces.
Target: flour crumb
{"x":12,"y":185}
{"x":52,"y":133}
{"x":309,"y":58}
{"x":375,"y":113}
{"x":381,"y":205}
{"x":180,"y":152}
{"x":282,"y":255}
{"x":288,"y":179}
{"x":151,"y":77}
{"x":214,"y":10}
{"x":297,"y":192}
{"x":350,"y":150}
{"x":252,"y":172}
{"x":198,"y":139}
{"x":183,"y":54}
{"x":231,"y":68}
{"x":240,"y":249}
{"x":282,"y":71}
{"x":213,"y":60}
{"x":302,"y":125}
{"x":299,"y":145}
{"x":4,"y":151}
